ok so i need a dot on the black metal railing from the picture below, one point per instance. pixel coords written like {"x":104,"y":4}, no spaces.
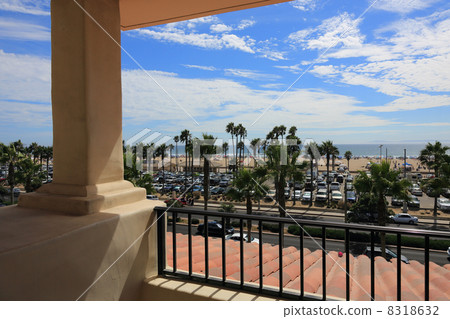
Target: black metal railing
{"x":163,"y":270}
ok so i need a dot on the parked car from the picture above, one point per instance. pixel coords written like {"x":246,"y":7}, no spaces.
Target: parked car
{"x":270,"y":196}
{"x":340,"y":178}
{"x":396,"y":201}
{"x":448,"y":252}
{"x":322,"y":195}
{"x":349,"y":187}
{"x":237,"y":237}
{"x":296,"y":194}
{"x":306,"y":196}
{"x":322,"y":185}
{"x":417,"y":191}
{"x":351,"y":196}
{"x":413,"y":201}
{"x":335,"y":186}
{"x":389,"y":254}
{"x":152,"y":197}
{"x":443,"y":204}
{"x":404,"y":219}
{"x":214,"y":229}
{"x":336,"y":196}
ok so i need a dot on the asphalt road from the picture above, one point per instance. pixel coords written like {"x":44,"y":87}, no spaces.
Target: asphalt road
{"x":438,"y":257}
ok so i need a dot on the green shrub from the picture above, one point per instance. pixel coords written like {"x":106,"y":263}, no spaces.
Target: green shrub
{"x":237,"y":224}
{"x":273,"y":228}
{"x":194,"y":221}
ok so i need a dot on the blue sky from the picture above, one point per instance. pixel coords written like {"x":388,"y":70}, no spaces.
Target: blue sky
{"x":349,"y":71}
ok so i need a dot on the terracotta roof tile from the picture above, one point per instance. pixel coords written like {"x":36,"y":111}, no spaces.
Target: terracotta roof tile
{"x":385,"y":272}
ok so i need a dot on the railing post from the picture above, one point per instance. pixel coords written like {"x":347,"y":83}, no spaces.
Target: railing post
{"x":399,"y":267}
{"x":161,"y":241}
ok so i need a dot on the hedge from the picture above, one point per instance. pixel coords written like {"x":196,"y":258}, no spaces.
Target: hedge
{"x":391,"y":239}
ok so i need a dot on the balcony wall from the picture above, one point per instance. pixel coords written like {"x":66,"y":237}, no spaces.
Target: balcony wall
{"x":53,"y":256}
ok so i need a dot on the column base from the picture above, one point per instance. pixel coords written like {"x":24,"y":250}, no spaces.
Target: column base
{"x":82,"y":200}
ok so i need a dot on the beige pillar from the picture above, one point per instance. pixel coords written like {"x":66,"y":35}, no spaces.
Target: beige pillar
{"x":87,"y":111}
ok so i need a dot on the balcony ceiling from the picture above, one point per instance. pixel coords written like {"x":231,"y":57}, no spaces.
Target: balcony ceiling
{"x":136,"y":14}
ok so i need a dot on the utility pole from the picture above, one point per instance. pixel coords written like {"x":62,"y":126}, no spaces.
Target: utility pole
{"x":405,"y":208}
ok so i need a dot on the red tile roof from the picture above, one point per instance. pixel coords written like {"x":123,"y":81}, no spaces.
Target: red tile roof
{"x":385,"y":272}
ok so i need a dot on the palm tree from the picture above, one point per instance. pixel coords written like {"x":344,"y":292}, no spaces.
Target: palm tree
{"x":281,"y":131}
{"x":381,"y":181}
{"x":29,"y":175}
{"x":434,"y":156}
{"x":334,"y":153}
{"x":241,"y":132}
{"x":255,"y":145}
{"x":170,"y":156}
{"x":133,"y":175}
{"x":231,"y":129}
{"x":225,"y":150}
{"x":326,"y":148}
{"x":311,"y":146}
{"x":249,"y":185}
{"x":161,"y":151}
{"x":185,"y":138}
{"x":11,"y":158}
{"x":176,"y":139}
{"x":206,"y":150}
{"x":348,"y":155}
{"x":280,"y":171}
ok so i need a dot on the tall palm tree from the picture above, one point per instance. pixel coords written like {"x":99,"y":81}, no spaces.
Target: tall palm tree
{"x":326,"y":148}
{"x":170,"y":147}
{"x":280,"y":171}
{"x":161,"y":151}
{"x":281,"y":131}
{"x":32,"y":150}
{"x":176,"y":139}
{"x":348,"y":155}
{"x":225,"y":150}
{"x":334,"y":153}
{"x":11,"y":158}
{"x":206,"y":150}
{"x":231,"y":130}
{"x":255,"y":145}
{"x":249,"y":185}
{"x":382,"y":180}
{"x":185,"y":138}
{"x":434,"y":156}
{"x":241,"y":132}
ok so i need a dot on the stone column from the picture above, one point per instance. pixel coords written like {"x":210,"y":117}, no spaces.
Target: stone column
{"x":87,"y":111}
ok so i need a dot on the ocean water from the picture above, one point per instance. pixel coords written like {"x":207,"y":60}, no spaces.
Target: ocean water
{"x":395,"y":150}
{"x":358,"y":150}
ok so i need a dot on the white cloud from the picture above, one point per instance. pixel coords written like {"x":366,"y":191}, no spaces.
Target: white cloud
{"x":304,"y":5}
{"x":24,"y":77}
{"x":200,"y":67}
{"x":341,"y":30}
{"x":35,"y":7}
{"x":403,"y":6}
{"x":250,"y":74}
{"x":202,"y":40}
{"x":20,"y":30}
{"x":219,"y":28}
{"x":291,"y":68}
{"x":429,"y":124}
{"x":244,"y":24}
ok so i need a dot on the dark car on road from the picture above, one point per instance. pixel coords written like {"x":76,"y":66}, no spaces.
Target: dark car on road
{"x":389,"y":254}
{"x":214,"y":229}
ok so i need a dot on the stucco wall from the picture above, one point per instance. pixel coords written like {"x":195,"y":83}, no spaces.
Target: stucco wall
{"x":51,"y":256}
